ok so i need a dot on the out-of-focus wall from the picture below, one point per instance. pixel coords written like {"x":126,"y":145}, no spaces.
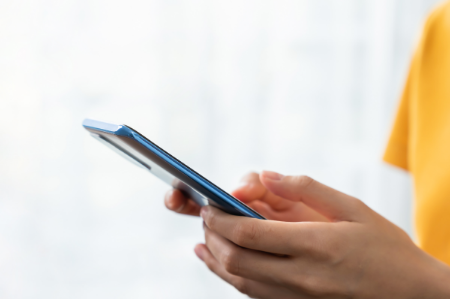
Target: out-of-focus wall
{"x":298,"y":86}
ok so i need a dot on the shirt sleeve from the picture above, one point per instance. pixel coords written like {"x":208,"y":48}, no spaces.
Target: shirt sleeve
{"x":396,"y":152}
{"x":398,"y":148}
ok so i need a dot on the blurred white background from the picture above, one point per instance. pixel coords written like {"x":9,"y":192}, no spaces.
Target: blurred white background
{"x":298,"y":86}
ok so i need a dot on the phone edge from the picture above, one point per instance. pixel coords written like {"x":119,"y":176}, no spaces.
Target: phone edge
{"x":126,"y":131}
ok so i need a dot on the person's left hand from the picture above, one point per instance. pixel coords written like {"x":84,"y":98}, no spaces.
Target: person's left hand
{"x":358,"y":254}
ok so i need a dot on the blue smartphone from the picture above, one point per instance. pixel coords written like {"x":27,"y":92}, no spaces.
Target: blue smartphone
{"x":146,"y":154}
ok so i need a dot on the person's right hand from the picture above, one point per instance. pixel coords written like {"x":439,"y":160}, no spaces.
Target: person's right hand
{"x":252,"y":192}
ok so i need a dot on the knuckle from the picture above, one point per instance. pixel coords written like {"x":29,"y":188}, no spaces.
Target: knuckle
{"x":241,"y":285}
{"x":304,"y":181}
{"x":211,"y":265}
{"x":335,"y":250}
{"x":327,"y":251}
{"x":322,"y":247}
{"x":250,"y":176}
{"x":211,"y":221}
{"x":313,"y":286}
{"x":246,"y":233}
{"x":231,"y":261}
{"x":332,"y":256}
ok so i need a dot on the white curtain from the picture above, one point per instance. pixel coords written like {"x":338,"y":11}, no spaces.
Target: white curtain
{"x":297,"y":86}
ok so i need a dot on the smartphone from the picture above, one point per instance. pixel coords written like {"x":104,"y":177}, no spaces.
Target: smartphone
{"x":141,"y":151}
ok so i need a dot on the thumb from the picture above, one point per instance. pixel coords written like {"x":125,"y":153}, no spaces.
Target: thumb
{"x":329,"y":202}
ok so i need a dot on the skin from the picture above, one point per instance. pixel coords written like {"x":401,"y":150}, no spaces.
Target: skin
{"x":318,"y":243}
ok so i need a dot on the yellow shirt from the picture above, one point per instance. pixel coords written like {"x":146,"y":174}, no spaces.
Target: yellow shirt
{"x":420,"y":140}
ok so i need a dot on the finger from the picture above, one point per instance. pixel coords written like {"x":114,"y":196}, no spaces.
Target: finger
{"x":177,"y":202}
{"x":264,"y":209}
{"x":206,"y":256}
{"x":253,"y":289}
{"x":264,"y":235}
{"x":298,"y":213}
{"x":251,"y":189}
{"x":251,"y":264}
{"x":331,"y":203}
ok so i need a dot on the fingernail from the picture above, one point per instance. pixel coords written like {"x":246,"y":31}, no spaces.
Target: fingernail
{"x":203,"y":212}
{"x":273,"y":175}
{"x":180,"y":208}
{"x":199,"y":252}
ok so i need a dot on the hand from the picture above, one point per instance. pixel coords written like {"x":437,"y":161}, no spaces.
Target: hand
{"x":358,"y":254}
{"x":253,"y":193}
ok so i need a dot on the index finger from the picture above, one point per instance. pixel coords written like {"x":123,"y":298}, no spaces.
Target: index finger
{"x":250,"y":189}
{"x":253,"y":190}
{"x":263,"y":235}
